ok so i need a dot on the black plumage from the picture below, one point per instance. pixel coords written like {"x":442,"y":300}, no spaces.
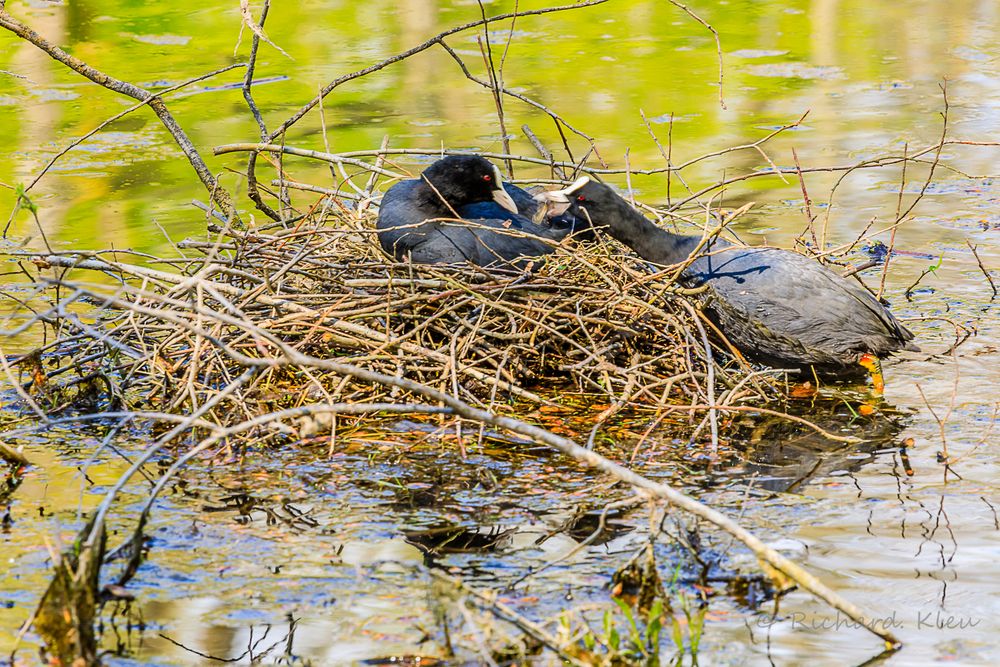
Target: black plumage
{"x":555,"y":227}
{"x":421,"y":219}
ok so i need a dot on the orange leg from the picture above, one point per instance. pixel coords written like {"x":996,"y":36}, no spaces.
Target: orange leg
{"x":872,"y":364}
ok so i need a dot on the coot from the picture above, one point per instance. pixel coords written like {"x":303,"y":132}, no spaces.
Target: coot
{"x":531,"y":208}
{"x":778,"y":307}
{"x":419,"y":218}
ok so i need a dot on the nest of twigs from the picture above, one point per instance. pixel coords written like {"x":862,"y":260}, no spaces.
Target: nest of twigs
{"x":174,"y":333}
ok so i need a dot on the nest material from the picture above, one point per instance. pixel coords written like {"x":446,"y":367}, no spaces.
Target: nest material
{"x":587,"y":319}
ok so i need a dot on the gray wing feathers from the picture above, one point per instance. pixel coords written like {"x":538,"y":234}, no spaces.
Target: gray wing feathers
{"x":800,"y":300}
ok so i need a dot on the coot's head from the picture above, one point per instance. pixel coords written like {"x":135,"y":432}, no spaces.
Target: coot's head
{"x":592,"y":200}
{"x":587,"y":200}
{"x":467,"y":179}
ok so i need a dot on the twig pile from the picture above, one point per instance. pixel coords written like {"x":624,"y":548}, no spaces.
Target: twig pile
{"x":587,"y":320}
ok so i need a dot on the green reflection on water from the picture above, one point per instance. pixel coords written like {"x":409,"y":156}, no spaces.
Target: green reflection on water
{"x":597,"y":66}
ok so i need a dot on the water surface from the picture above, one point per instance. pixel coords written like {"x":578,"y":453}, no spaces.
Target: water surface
{"x":918,"y":549}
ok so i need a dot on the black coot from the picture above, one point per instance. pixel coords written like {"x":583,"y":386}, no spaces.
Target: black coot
{"x":555,"y":227}
{"x":777,"y":307}
{"x":417,"y":218}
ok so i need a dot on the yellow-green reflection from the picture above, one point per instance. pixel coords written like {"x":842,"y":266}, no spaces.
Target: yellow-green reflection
{"x":596,"y":66}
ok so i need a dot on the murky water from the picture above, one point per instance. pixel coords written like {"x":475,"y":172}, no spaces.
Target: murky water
{"x":336,"y":540}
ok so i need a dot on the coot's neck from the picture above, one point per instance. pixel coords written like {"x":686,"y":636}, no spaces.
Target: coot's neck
{"x":651,"y":243}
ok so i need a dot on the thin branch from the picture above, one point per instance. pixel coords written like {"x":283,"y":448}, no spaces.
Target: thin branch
{"x":219,"y":195}
{"x":327,"y":89}
{"x":989,"y":278}
{"x":79,"y":140}
{"x":718,"y":43}
{"x":253,"y":191}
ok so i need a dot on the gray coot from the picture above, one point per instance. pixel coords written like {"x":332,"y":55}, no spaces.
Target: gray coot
{"x":778,"y":307}
{"x":417,"y":218}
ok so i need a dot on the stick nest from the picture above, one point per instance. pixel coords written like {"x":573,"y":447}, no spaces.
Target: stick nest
{"x":586,"y":320}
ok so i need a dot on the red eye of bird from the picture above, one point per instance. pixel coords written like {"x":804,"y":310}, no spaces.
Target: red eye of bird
{"x":487,"y":177}
{"x":581,"y":198}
